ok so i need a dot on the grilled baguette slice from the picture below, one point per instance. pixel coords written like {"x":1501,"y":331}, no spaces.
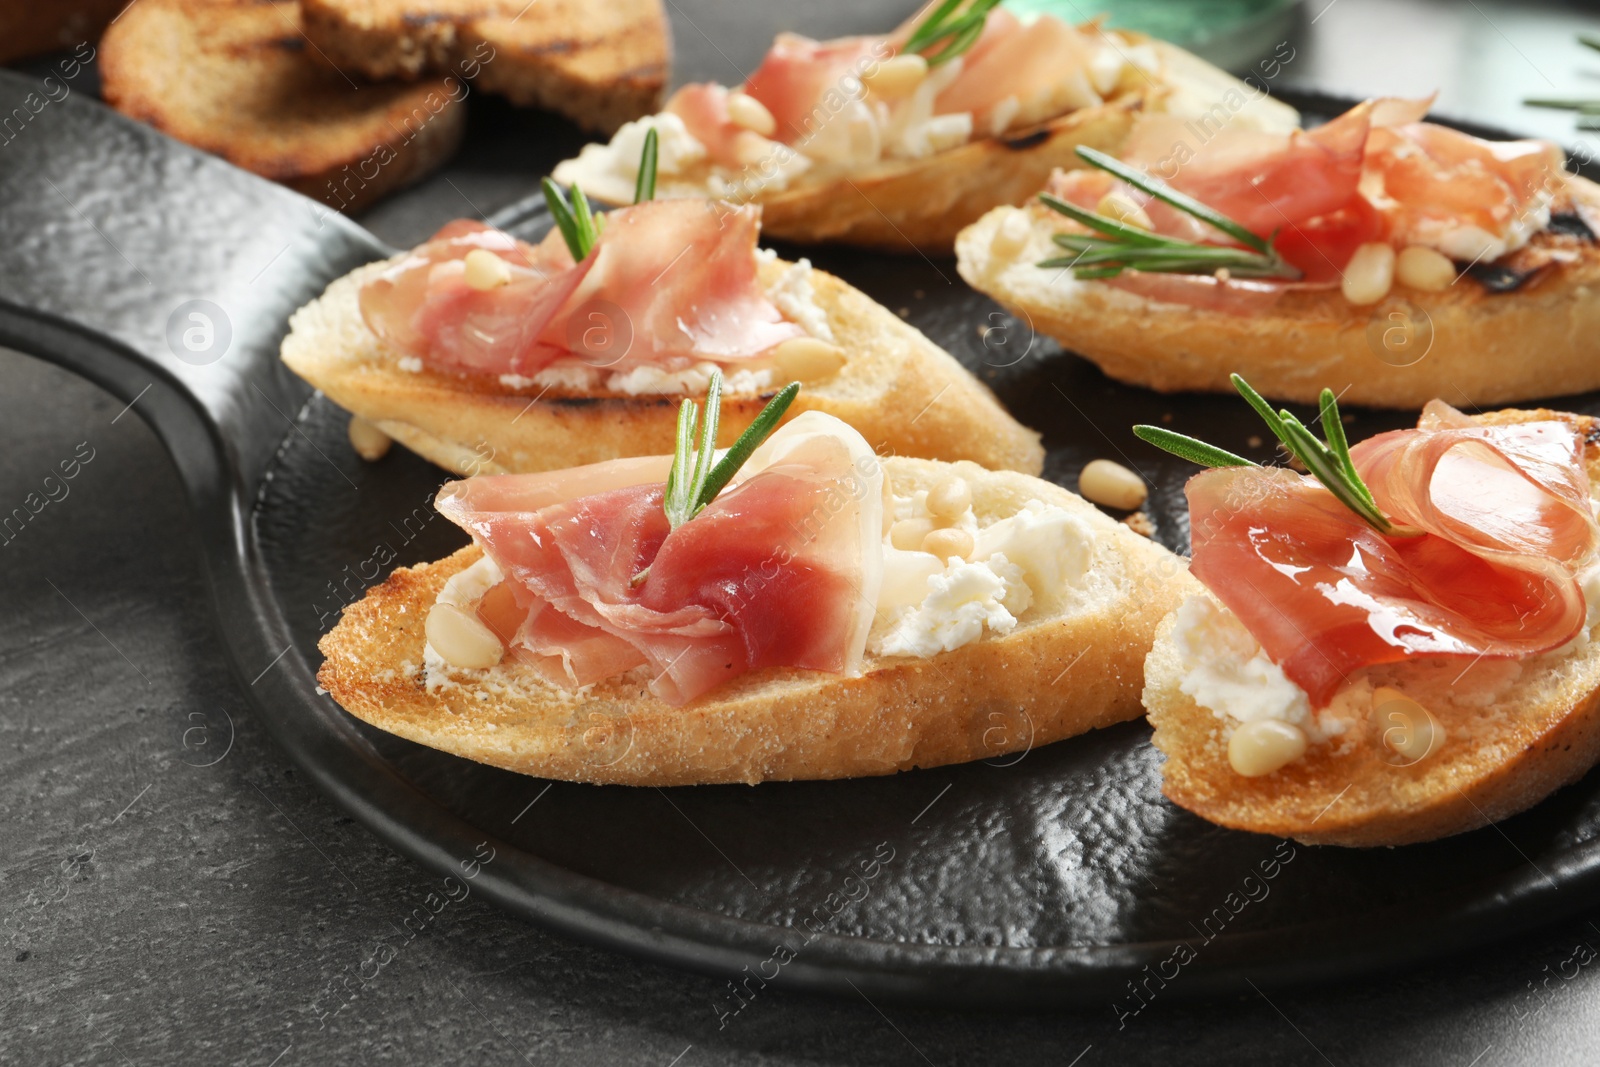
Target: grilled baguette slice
{"x":905,"y":394}
{"x":921,"y":204}
{"x":1541,"y":733}
{"x":1052,"y":677}
{"x":599,"y":64}
{"x":1466,"y":344}
{"x":233,"y":77}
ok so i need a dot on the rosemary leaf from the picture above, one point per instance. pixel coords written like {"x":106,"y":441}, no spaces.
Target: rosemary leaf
{"x":1333,"y":431}
{"x":644,"y":188}
{"x":566,"y":222}
{"x":1586,"y":106}
{"x":1325,"y":468}
{"x":953,"y":33}
{"x":680,"y":479}
{"x":1132,"y":235}
{"x":1328,"y":461}
{"x":1189,"y":448}
{"x":758,"y":431}
{"x":588,"y":232}
{"x":696,"y":475}
{"x":707,"y":454}
{"x":1165,"y":193}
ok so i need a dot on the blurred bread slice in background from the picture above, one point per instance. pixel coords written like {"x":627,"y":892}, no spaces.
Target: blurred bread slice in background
{"x":599,"y":62}
{"x":35,"y":27}
{"x":237,"y":78}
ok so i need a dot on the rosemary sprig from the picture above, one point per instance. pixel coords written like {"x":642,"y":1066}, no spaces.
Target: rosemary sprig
{"x":953,"y":32}
{"x":1328,"y":460}
{"x":579,"y":228}
{"x":697,"y":476}
{"x":1588,"y":111}
{"x":1118,"y":246}
{"x":644,"y":188}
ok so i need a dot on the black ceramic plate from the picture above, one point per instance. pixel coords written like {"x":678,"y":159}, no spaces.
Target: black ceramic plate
{"x":1057,"y":876}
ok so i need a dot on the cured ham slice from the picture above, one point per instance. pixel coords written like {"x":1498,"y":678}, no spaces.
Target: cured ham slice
{"x":703,"y":107}
{"x":797,"y":76}
{"x":780,"y":570}
{"x":1013,"y":74}
{"x":668,"y":282}
{"x":1375,"y":173}
{"x":1043,"y":67}
{"x":1505,"y":517}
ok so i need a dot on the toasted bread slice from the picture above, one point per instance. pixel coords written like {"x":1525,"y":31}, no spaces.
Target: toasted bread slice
{"x":35,"y":29}
{"x":233,"y":77}
{"x":908,"y":205}
{"x":598,"y":64}
{"x":1467,"y":345}
{"x":1498,"y":757}
{"x":921,"y":204}
{"x":902,"y":392}
{"x":1052,"y":677}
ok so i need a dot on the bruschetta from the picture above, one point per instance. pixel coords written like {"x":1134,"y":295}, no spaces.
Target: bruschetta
{"x":897,"y":141}
{"x":1396,"y":647}
{"x":486,"y":354}
{"x":829,"y":614}
{"x":1412,"y":261}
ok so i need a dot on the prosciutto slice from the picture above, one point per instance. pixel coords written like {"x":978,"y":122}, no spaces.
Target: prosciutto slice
{"x":668,"y":282}
{"x":1506,"y":520}
{"x":1375,"y":173}
{"x":780,"y":570}
{"x":1043,"y":67}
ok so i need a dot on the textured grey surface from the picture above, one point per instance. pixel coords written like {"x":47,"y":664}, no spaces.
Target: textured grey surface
{"x":170,"y":891}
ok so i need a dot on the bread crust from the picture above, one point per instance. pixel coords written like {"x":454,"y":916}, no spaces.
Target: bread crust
{"x":1485,"y":348}
{"x":922,"y":204}
{"x":232,"y":77}
{"x":1496,"y":761}
{"x":995,"y":697}
{"x":598,"y":64}
{"x":902,"y":392}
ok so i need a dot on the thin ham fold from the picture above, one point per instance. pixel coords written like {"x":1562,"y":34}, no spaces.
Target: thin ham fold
{"x":773,"y":573}
{"x":668,"y":283}
{"x":1039,"y":69}
{"x":1507,"y":520}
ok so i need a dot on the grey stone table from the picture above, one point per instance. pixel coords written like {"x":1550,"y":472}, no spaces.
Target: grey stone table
{"x":171,"y":891}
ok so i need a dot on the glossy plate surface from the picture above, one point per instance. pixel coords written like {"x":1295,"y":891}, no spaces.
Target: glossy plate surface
{"x":1051,"y":877}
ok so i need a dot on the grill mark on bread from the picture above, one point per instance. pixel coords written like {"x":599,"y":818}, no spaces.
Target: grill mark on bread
{"x":1026,"y":141}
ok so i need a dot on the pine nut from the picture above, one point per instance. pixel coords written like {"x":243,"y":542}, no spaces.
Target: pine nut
{"x":807,"y":359}
{"x":485,"y":270}
{"x":1012,"y":234}
{"x":897,"y":75}
{"x":949,"y":499}
{"x":948,"y":541}
{"x":370,"y":443}
{"x":908,"y":534}
{"x":888,"y":504}
{"x":1423,"y":268}
{"x":1117,"y":206}
{"x":1407,"y":727}
{"x":752,"y":114}
{"x":462,"y":639}
{"x":1111,"y":484}
{"x":751,"y":149}
{"x":1369,"y":275}
{"x":1262,"y":746}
